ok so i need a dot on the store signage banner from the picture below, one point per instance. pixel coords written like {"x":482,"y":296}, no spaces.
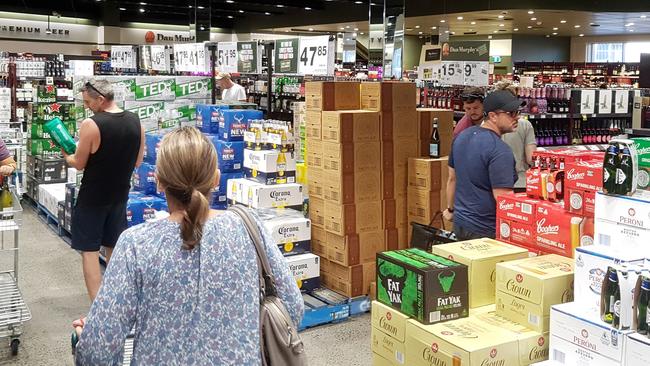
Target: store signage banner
{"x":247,"y":57}
{"x":33,"y":29}
{"x":471,"y":73}
{"x":314,"y":55}
{"x":466,"y":51}
{"x":123,"y":57}
{"x":286,"y":56}
{"x":160,"y":58}
{"x":227,"y":57}
{"x":190,"y":57}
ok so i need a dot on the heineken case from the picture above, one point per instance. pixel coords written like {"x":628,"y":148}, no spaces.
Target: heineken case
{"x":424,"y":286}
{"x":42,"y":147}
{"x":40,"y":113}
{"x":36,"y":130}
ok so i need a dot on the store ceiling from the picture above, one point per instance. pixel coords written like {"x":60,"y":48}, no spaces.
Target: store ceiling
{"x":540,"y":22}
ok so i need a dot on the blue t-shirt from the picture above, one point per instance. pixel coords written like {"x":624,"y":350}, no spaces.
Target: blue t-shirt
{"x":482,"y":162}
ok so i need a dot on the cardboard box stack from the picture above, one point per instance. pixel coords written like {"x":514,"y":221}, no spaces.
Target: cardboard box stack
{"x":344,"y":177}
{"x":426,"y":117}
{"x":556,"y":214}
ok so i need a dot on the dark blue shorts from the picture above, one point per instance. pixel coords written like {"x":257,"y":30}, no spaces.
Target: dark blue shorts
{"x":97,"y":226}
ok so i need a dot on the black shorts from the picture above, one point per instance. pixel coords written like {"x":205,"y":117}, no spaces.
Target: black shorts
{"x":97,"y":226}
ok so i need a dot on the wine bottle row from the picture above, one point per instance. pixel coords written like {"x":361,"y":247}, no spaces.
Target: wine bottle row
{"x":559,"y":132}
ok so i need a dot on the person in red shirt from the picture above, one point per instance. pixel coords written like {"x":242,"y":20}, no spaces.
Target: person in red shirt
{"x":473,"y":106}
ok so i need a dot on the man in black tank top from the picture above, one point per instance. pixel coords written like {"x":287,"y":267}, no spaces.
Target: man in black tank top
{"x":111,"y":144}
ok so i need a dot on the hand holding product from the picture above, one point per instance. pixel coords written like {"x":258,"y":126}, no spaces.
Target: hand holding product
{"x":60,"y":135}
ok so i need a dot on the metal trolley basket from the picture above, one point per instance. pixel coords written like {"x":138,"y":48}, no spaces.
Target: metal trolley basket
{"x":13,"y":310}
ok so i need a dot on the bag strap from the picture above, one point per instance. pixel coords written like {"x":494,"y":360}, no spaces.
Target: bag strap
{"x":438,"y":214}
{"x":267,"y":283}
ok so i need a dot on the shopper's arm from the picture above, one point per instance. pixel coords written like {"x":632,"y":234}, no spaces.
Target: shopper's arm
{"x":285,"y":284}
{"x":496,"y":192}
{"x":530,"y":144}
{"x":501,"y":169}
{"x":89,"y":140}
{"x":530,"y":149}
{"x":113,"y":312}
{"x":7,"y":162}
{"x":142,"y":147}
{"x":451,"y":187}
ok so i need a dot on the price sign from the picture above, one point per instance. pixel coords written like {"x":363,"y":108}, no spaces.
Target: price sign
{"x":227,"y":57}
{"x":159,"y":58}
{"x":314,"y":55}
{"x":286,"y":56}
{"x":190,"y":57}
{"x":247,"y":57}
{"x":476,"y":73}
{"x":123,"y":57}
{"x":621,"y":101}
{"x":451,"y":72}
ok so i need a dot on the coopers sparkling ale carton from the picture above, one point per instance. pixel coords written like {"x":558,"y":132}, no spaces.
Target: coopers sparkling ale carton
{"x":422,"y":285}
{"x":480,"y":256}
{"x":527,"y":288}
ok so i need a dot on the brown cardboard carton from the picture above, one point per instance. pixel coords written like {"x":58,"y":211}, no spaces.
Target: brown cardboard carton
{"x":314,"y":154}
{"x":351,"y":187}
{"x":393,"y":183}
{"x":401,"y":212}
{"x":318,"y":241}
{"x":389,"y":213}
{"x":317,"y":212}
{"x":332,"y":96}
{"x":350,"y":281}
{"x":395,"y":154}
{"x":425,"y":174}
{"x":350,"y":126}
{"x":386,"y":96}
{"x":404,"y":236}
{"x":354,"y":218}
{"x":392,"y":239}
{"x":423,"y":205}
{"x":316,"y":183}
{"x":373,"y":291}
{"x":313,"y":126}
{"x":400,"y":123}
{"x":481,"y":257}
{"x":351,"y":250}
{"x":351,"y":157}
{"x":445,"y":129}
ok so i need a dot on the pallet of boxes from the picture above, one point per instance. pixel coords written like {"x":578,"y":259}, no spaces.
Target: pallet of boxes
{"x":427,"y":177}
{"x":473,"y":303}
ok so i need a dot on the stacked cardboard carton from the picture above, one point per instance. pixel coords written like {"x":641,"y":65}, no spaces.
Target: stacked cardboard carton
{"x":343,"y":169}
{"x":426,"y":117}
{"x":399,"y":142}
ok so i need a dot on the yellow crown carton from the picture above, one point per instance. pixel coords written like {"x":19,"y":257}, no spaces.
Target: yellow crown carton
{"x":389,"y":320}
{"x":481,"y":257}
{"x":377,"y":360}
{"x":463,"y":342}
{"x":527,"y":288}
{"x":387,"y":347}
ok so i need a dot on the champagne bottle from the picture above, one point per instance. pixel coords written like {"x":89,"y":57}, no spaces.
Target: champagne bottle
{"x":5,"y":197}
{"x":612,"y":296}
{"x":642,"y":306}
{"x":610,"y":169}
{"x":624,"y":173}
{"x":434,"y":142}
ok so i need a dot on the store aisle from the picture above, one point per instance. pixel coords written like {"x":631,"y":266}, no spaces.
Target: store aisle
{"x":52,"y":285}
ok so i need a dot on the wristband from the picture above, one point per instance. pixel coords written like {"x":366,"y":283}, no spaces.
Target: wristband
{"x":450,"y":209}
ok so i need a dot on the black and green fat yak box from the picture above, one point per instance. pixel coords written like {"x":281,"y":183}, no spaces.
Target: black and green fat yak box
{"x":422,"y":285}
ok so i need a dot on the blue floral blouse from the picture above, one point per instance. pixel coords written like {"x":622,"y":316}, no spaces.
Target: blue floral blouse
{"x":198,"y":307}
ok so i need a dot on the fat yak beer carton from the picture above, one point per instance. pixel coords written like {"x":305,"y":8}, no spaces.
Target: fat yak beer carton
{"x":424,"y":286}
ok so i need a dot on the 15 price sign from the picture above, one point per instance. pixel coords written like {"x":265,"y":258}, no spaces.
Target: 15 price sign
{"x":314,"y":55}
{"x":451,"y":72}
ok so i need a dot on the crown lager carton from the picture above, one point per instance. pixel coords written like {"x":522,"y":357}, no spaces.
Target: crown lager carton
{"x":387,"y":347}
{"x":462,"y":342}
{"x":527,"y":288}
{"x":378,"y":360}
{"x":480,"y":256}
{"x":389,"y":321}
{"x":424,"y":286}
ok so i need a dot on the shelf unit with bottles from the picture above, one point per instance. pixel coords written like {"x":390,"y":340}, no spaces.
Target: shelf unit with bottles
{"x":585,"y":72}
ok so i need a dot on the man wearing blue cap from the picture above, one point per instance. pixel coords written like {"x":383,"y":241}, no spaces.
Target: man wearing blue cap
{"x":482,"y":167}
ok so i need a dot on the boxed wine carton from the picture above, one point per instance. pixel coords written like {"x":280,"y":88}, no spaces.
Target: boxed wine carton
{"x":422,"y":285}
{"x":481,"y":257}
{"x":387,"y":96}
{"x":527,"y":288}
{"x":332,"y":96}
{"x":350,"y":126}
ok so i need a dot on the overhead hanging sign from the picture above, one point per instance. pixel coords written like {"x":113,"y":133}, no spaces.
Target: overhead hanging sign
{"x":247,"y":57}
{"x":123,"y":57}
{"x":466,"y":51}
{"x":190,"y":57}
{"x":314,"y":55}
{"x":462,"y":63}
{"x":286,"y":56}
{"x":227,"y":57}
{"x":160,"y":58}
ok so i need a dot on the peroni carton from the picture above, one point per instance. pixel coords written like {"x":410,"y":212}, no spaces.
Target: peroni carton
{"x":425,"y":286}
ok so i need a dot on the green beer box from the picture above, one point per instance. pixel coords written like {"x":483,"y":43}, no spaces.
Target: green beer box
{"x":424,"y":286}
{"x":45,"y":94}
{"x":36,"y":130}
{"x":155,"y":88}
{"x":44,"y":112}
{"x":193,"y":87}
{"x":41,"y":146}
{"x":150,"y":113}
{"x":642,"y":145}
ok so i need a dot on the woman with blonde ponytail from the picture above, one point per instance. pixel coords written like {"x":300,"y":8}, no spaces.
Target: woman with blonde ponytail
{"x":188,"y":284}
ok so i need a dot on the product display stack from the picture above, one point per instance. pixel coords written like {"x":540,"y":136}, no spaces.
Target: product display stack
{"x":269,"y":187}
{"x":608,"y":322}
{"x":449,"y":307}
{"x":343,"y":159}
{"x":556,"y":214}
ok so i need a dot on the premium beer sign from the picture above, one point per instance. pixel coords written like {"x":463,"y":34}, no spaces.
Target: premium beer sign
{"x":424,"y":286}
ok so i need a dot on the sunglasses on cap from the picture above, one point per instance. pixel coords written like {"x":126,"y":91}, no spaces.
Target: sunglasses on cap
{"x":512,"y":114}
{"x":471,"y":97}
{"x":89,"y":85}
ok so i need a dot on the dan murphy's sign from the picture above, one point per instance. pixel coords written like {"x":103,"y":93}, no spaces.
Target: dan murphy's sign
{"x":466,"y":51}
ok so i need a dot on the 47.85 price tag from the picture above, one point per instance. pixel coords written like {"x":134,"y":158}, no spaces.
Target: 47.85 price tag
{"x":314,"y":55}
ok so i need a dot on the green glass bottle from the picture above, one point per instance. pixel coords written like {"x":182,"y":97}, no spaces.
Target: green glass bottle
{"x":612,"y":293}
{"x":642,"y":306}
{"x":5,"y":196}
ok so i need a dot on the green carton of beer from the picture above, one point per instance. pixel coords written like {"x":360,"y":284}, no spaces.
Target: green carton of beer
{"x":43,"y":112}
{"x":41,"y":146}
{"x":422,"y":285}
{"x":642,"y":145}
{"x":36,"y":130}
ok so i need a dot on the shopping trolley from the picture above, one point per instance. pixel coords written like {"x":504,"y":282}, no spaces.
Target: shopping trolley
{"x":13,"y":310}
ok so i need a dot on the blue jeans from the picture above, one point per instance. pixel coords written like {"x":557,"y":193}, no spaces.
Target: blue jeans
{"x":463,"y":234}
